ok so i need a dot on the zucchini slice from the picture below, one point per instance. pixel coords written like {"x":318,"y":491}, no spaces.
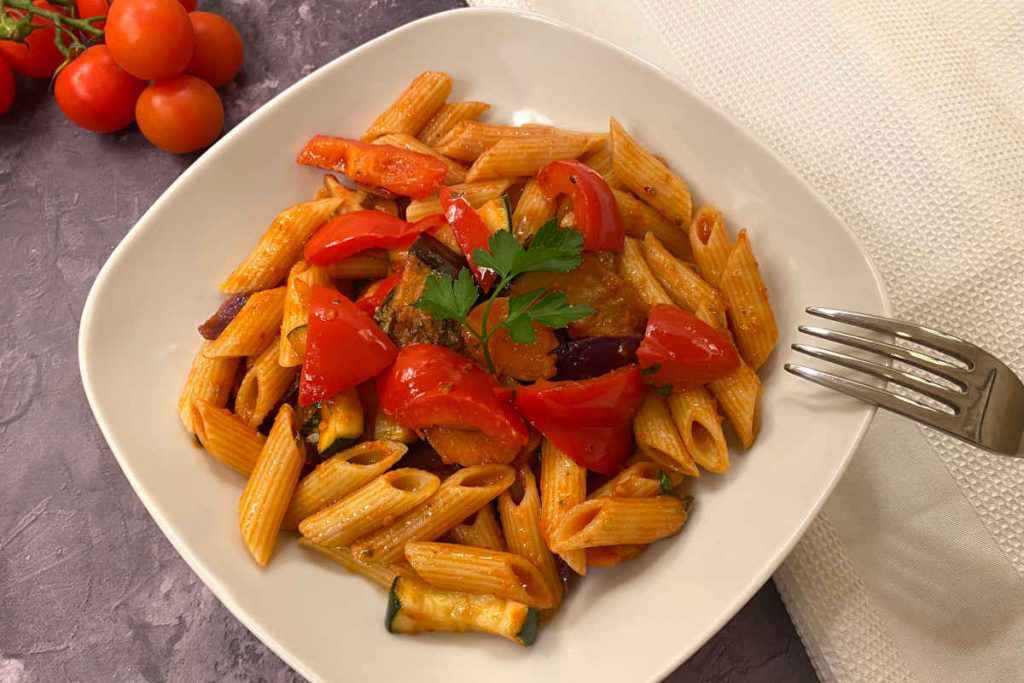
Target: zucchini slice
{"x":416,"y":607}
{"x":497,"y":214}
{"x":341,"y":420}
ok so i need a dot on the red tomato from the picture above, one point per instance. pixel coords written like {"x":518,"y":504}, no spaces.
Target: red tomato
{"x":97,"y":94}
{"x":400,"y":171}
{"x":344,"y":347}
{"x":6,"y":86}
{"x":218,"y":54}
{"x":470,"y":232}
{"x":433,"y":386}
{"x":93,"y":8}
{"x":358,"y":231}
{"x":189,"y":5}
{"x":374,"y":296}
{"x":684,"y":350}
{"x":590,"y":420}
{"x":38,"y":56}
{"x":593,"y":203}
{"x":150,"y":39}
{"x":180,"y":115}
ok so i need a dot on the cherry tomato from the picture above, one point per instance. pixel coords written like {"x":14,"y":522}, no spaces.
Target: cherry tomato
{"x":189,"y":5}
{"x":682,"y":350}
{"x":218,"y":54}
{"x":97,"y":94}
{"x":180,"y":115}
{"x":38,"y":56}
{"x":150,"y":39}
{"x":93,"y":8}
{"x":6,"y":86}
{"x":597,"y":213}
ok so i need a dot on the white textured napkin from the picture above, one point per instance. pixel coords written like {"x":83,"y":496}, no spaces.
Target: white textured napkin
{"x":908,"y":118}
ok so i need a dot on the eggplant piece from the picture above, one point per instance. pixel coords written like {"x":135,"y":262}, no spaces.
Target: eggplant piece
{"x":586,"y":358}
{"x":436,"y":256}
{"x":406,"y":324}
{"x":216,"y":323}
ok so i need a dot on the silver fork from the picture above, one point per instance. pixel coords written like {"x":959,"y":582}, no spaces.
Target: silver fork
{"x":985,"y":403}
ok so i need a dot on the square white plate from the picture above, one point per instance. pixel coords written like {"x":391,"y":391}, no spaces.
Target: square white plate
{"x":633,"y":623}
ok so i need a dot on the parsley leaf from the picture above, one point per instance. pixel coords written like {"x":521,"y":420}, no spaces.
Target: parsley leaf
{"x":550,"y":309}
{"x":552,"y":250}
{"x":666,"y":485}
{"x":448,"y":299}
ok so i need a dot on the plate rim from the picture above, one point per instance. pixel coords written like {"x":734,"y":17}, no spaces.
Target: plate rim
{"x":196,"y":564}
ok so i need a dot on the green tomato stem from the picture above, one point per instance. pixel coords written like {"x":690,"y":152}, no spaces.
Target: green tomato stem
{"x":61,"y":22}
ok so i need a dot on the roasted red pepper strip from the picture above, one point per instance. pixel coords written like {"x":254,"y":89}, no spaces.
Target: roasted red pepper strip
{"x":593,"y":203}
{"x":470,"y":231}
{"x":684,"y":350}
{"x":397,"y":170}
{"x":344,"y":347}
{"x":432,"y":386}
{"x":590,"y":420}
{"x":358,"y":231}
{"x":374,"y":296}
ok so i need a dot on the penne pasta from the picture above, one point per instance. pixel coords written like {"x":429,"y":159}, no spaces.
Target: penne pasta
{"x":209,"y":380}
{"x":641,"y":220}
{"x":600,"y":159}
{"x":618,"y":521}
{"x":295,"y":315}
{"x":696,"y":417}
{"x":533,"y":210}
{"x":371,"y":507}
{"x":750,"y":314}
{"x":480,"y":570}
{"x":657,"y":436}
{"x":253,"y":329}
{"x":519,"y":157}
{"x":279,"y":248}
{"x":381,"y":574}
{"x":738,"y":393}
{"x":340,"y":475}
{"x":447,"y":117}
{"x":365,"y":266}
{"x":467,"y":140}
{"x":648,"y":177}
{"x":610,"y":555}
{"x":270,"y":487}
{"x":710,"y":243}
{"x":351,"y":200}
{"x":684,"y":286}
{"x":484,"y":532}
{"x":263,"y":385}
{"x":456,"y":171}
{"x":227,"y":437}
{"x":563,"y":484}
{"x":641,"y":479}
{"x":475,"y":193}
{"x":520,"y":518}
{"x":459,"y":496}
{"x":414,"y":107}
{"x":635,"y":271}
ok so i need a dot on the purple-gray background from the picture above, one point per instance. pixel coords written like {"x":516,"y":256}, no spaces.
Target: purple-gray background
{"x":90,"y":590}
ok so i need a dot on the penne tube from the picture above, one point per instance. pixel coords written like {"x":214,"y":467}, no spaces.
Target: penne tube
{"x":710,"y":244}
{"x":227,"y":437}
{"x":696,"y":417}
{"x":295,"y":315}
{"x":351,"y":200}
{"x":563,"y":484}
{"x":750,"y":314}
{"x":447,"y":117}
{"x":456,"y":171}
{"x":635,"y":271}
{"x":641,"y":220}
{"x":279,"y":248}
{"x":263,"y":385}
{"x":533,"y":210}
{"x":210,"y":380}
{"x":371,"y":507}
{"x":340,"y":475}
{"x":738,"y":393}
{"x":520,"y":519}
{"x":481,"y":571}
{"x":459,"y":496}
{"x":414,"y":107}
{"x":642,"y":479}
{"x":684,"y":286}
{"x":253,"y":329}
{"x":618,"y":521}
{"x":270,"y":487}
{"x":484,"y":532}
{"x":467,"y":140}
{"x":657,"y":436}
{"x":519,"y":157}
{"x":610,"y":555}
{"x":475,"y":193}
{"x":381,"y":574}
{"x":368,"y":265}
{"x":600,"y":159}
{"x":649,"y":178}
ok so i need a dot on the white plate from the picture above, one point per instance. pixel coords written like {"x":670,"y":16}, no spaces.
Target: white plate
{"x":632,"y":623}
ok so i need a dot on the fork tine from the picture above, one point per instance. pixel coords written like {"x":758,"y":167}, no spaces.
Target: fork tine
{"x":877,"y":397}
{"x":937,"y":366}
{"x":927,"y":387}
{"x":946,"y":343}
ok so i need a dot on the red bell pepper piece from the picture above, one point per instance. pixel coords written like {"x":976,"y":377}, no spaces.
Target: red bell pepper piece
{"x":374,"y":296}
{"x":684,"y":350}
{"x":432,"y":386}
{"x":344,"y":347}
{"x":590,"y":420}
{"x":470,"y":231}
{"x":358,"y":231}
{"x":593,"y":203}
{"x":397,"y":170}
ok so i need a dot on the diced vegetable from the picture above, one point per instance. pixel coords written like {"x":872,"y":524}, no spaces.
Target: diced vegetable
{"x":406,"y":324}
{"x":496,"y":214}
{"x":682,"y":350}
{"x":470,"y":231}
{"x":356,"y":232}
{"x":227,"y":311}
{"x":585,"y":358}
{"x":595,"y":211}
{"x":396,"y":170}
{"x":341,"y":420}
{"x":436,"y":256}
{"x":527,"y":362}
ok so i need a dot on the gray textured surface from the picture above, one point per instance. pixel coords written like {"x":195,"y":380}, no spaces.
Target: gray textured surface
{"x":90,"y":590}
